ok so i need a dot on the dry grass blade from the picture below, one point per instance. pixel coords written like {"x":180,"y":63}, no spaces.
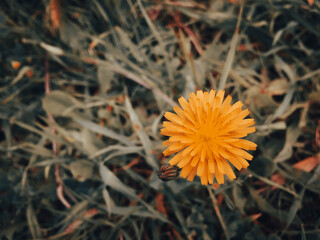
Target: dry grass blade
{"x":294,"y":208}
{"x":45,"y":134}
{"x":274,"y":184}
{"x":144,"y":138}
{"x":108,"y":200}
{"x":84,"y":86}
{"x":232,"y":51}
{"x":111,"y":180}
{"x":124,"y":38}
{"x":265,"y":207}
{"x":124,"y":151}
{"x":104,"y":131}
{"x":21,"y":73}
{"x":292,"y":135}
{"x":120,"y":150}
{"x":140,"y":81}
{"x":33,"y":223}
{"x":157,"y":36}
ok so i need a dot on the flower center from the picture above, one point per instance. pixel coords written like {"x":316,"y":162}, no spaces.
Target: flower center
{"x":207,"y":132}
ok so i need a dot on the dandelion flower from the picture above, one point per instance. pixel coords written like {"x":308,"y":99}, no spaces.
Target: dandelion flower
{"x":206,"y":135}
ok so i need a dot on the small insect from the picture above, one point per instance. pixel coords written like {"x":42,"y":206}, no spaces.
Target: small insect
{"x":168,"y":172}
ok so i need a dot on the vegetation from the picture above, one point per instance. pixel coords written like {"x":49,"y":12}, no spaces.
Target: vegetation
{"x":85,"y":86}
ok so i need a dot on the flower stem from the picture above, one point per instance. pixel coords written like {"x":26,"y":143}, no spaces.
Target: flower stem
{"x":217,"y":211}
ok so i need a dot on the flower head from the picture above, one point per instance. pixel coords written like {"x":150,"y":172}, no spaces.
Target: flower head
{"x":206,"y":135}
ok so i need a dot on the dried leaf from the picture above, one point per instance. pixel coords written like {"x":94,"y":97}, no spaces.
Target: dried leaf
{"x":307,"y":164}
{"x":284,"y":106}
{"x":52,"y":49}
{"x":81,"y":170}
{"x":23,"y":71}
{"x":105,"y":77}
{"x":282,"y":66}
{"x":278,"y":87}
{"x":254,"y":217}
{"x":60,"y":103}
{"x":292,"y":135}
{"x":258,"y":102}
{"x":78,"y":221}
{"x":272,"y":126}
{"x":90,"y":141}
{"x":37,"y":150}
{"x":76,"y":210}
{"x":108,"y":200}
{"x":160,"y":205}
{"x":278,"y":35}
{"x":113,"y":181}
{"x":279,"y":179}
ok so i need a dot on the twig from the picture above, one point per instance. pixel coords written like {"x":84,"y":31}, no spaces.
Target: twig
{"x":272,"y":183}
{"x":217,"y":211}
{"x":54,"y":143}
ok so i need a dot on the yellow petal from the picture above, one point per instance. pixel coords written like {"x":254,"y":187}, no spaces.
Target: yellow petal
{"x":166,"y":143}
{"x":184,"y":103}
{"x":177,"y":158}
{"x":184,"y":161}
{"x":211,"y":164}
{"x":228,"y":170}
{"x":220,"y":96}
{"x":200,"y":169}
{"x":245,"y":144}
{"x":186,"y":171}
{"x":195,"y":160}
{"x":174,"y":118}
{"x":204,"y":178}
{"x":219,"y":177}
{"x":192,"y":174}
{"x":176,"y":147}
{"x":220,"y":166}
{"x":210,"y":178}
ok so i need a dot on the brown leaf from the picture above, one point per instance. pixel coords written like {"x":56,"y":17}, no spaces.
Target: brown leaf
{"x":160,"y":204}
{"x":278,"y":178}
{"x":78,"y":221}
{"x":307,"y":164}
{"x":254,"y":217}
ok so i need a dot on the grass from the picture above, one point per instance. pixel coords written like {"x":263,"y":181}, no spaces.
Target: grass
{"x":84,"y":88}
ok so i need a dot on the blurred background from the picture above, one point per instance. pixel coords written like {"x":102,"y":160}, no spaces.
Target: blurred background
{"x":84,"y":86}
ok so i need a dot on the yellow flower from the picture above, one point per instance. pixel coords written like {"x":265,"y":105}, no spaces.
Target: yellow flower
{"x":206,"y":135}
